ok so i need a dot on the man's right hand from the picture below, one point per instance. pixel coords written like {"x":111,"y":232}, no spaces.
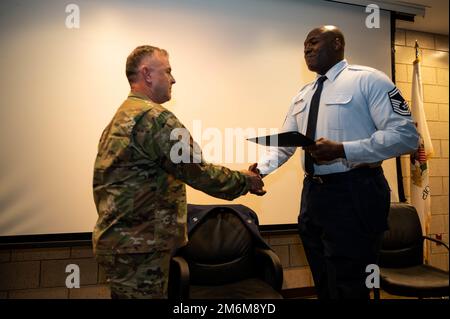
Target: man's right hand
{"x":255,"y":182}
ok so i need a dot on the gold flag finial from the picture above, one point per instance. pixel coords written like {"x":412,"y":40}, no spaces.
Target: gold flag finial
{"x":417,"y":50}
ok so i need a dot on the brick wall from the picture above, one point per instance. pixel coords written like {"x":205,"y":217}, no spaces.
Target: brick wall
{"x":435,"y":78}
{"x":39,"y":273}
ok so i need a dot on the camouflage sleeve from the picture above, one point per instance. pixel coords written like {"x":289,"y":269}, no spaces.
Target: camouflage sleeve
{"x":182,"y":158}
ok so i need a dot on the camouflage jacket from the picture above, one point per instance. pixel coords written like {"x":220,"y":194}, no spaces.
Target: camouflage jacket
{"x":139,"y":191}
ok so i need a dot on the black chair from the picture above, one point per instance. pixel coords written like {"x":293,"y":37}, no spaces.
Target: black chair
{"x":224,"y":259}
{"x":402,"y":271}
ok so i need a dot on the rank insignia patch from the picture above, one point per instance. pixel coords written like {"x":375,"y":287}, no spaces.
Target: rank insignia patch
{"x":398,"y":103}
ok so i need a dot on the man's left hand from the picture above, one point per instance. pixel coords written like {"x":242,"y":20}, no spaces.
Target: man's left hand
{"x":325,"y":150}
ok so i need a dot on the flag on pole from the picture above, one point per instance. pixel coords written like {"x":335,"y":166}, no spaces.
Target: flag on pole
{"x":420,"y":189}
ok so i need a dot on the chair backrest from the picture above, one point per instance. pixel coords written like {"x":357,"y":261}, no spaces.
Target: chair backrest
{"x":220,"y":250}
{"x":402,"y":244}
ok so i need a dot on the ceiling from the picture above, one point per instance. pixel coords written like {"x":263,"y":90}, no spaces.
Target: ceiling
{"x":435,"y":20}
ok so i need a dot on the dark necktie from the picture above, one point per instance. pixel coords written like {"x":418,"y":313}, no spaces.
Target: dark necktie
{"x":312,"y":123}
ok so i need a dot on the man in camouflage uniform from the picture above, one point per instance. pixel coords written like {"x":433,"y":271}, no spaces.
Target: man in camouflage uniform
{"x":139,"y":182}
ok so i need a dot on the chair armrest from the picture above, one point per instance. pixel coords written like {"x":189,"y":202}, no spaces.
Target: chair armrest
{"x":178,"y":278}
{"x":272,"y":270}
{"x":436,"y":241}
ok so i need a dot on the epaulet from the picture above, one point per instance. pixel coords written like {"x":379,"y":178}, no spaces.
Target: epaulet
{"x":304,"y":87}
{"x":361,"y":68}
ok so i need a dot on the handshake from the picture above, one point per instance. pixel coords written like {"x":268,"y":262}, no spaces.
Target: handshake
{"x":254,"y":180}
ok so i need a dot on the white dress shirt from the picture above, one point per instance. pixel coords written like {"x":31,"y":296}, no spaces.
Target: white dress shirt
{"x":355,"y":109}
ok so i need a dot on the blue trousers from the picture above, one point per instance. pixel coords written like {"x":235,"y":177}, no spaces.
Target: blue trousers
{"x":342,"y":219}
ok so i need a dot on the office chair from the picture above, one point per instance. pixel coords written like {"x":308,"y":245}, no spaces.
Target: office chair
{"x":224,"y":258}
{"x":402,"y":271}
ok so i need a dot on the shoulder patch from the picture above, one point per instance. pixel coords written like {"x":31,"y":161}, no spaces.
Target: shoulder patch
{"x":398,"y":103}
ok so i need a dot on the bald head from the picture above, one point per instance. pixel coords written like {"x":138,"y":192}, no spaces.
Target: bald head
{"x":324,"y":47}
{"x":332,"y":33}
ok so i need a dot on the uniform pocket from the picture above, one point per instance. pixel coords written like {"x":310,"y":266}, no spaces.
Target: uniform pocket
{"x":371,"y":200}
{"x":299,"y":106}
{"x":339,"y":99}
{"x":299,"y":112}
{"x":334,"y":106}
{"x":166,"y":228}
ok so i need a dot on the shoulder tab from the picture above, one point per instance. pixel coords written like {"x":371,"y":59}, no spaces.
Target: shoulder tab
{"x":299,"y":96}
{"x":306,"y":86}
{"x":361,"y":68}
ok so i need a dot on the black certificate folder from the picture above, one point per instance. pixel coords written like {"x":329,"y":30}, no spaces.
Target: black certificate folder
{"x":286,"y":139}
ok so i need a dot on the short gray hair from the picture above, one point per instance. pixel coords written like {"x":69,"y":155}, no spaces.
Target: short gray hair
{"x":135,"y":58}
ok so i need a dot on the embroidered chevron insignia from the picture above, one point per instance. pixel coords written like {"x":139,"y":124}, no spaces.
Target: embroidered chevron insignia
{"x":398,"y":103}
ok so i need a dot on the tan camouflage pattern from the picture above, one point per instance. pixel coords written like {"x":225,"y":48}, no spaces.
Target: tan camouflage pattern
{"x":139,"y":192}
{"x":137,"y":276}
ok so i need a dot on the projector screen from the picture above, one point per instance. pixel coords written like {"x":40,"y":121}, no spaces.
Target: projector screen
{"x":237,"y":65}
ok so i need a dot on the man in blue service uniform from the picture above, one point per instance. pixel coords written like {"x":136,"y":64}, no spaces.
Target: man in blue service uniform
{"x":358,"y":118}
